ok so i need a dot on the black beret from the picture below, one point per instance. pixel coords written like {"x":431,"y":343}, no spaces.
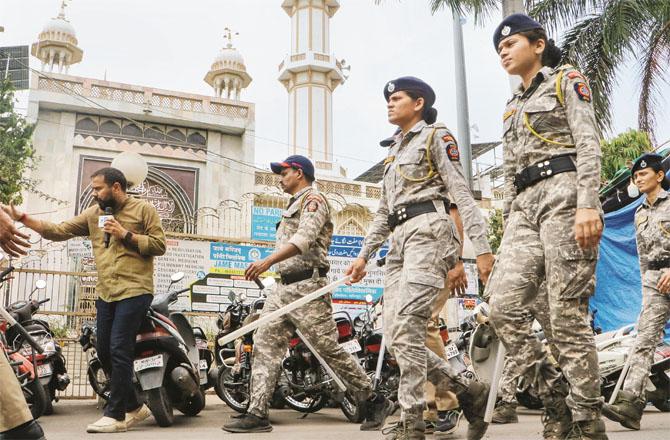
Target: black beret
{"x":513,"y":24}
{"x":653,"y":161}
{"x":410,"y":83}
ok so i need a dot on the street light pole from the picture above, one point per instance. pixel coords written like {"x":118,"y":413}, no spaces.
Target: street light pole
{"x":462,"y":112}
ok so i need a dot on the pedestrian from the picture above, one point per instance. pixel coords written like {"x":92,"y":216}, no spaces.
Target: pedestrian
{"x":16,"y":422}
{"x":300,"y":257}
{"x":124,"y":247}
{"x":652,"y":231}
{"x":420,"y":170}
{"x":553,"y":220}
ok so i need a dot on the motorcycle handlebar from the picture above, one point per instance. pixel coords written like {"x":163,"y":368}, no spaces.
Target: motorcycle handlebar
{"x":29,"y":339}
{"x":179,"y":292}
{"x":6,"y":272}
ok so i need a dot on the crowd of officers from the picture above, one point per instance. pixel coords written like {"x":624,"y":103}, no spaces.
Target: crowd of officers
{"x":546,"y":261}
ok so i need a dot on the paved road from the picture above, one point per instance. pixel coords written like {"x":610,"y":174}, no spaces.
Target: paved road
{"x":71,"y":417}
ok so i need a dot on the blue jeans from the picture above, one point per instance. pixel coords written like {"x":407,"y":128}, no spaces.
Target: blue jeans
{"x":118,"y":324}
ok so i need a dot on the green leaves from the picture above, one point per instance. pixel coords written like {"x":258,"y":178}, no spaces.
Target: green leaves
{"x":621,"y":151}
{"x":16,"y":152}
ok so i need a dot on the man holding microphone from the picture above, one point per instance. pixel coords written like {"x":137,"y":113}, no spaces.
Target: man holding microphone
{"x":126,"y":235}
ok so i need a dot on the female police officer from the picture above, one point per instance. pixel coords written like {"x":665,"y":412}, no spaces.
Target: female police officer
{"x":421,"y":168}
{"x":553,"y":225}
{"x":652,"y":226}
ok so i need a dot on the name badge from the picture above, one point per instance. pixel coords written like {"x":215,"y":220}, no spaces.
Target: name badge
{"x":102,"y":219}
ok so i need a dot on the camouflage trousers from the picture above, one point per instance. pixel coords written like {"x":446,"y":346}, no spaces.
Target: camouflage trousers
{"x":510,"y":376}
{"x":315,"y":322}
{"x":655,"y":314}
{"x":421,"y":252}
{"x":538,"y":244}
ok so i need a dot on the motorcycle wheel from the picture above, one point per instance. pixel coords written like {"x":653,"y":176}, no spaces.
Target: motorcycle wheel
{"x":306,"y":404}
{"x":98,"y":379}
{"x":662,"y":405}
{"x":351,"y":410}
{"x":36,"y":397}
{"x":49,"y":408}
{"x":160,"y":406}
{"x":529,"y":401}
{"x":236,"y":397}
{"x":194,"y":405}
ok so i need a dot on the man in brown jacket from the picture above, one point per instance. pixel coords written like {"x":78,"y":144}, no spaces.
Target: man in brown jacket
{"x":124,"y":245}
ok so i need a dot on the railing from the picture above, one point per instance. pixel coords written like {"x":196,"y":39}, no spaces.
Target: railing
{"x":143,"y":96}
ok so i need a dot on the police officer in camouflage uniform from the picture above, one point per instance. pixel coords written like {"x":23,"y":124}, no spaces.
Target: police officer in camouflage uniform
{"x":303,"y":237}
{"x":652,"y":226}
{"x":553,"y":226}
{"x":422,"y":167}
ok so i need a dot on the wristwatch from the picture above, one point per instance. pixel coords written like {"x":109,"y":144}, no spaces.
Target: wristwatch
{"x":128,"y":236}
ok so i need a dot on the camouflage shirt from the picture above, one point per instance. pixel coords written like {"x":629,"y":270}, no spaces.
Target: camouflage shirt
{"x":652,"y":230}
{"x":405,"y":170}
{"x":307,"y":225}
{"x":567,"y":127}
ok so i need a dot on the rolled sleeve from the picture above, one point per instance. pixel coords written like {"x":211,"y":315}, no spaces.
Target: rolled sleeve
{"x":153,"y":242}
{"x":311,"y":222}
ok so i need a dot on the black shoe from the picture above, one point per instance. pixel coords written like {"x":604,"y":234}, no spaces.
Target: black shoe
{"x":448,"y":423}
{"x":248,"y":423}
{"x":28,"y":431}
{"x":473,"y":403}
{"x":376,"y":413}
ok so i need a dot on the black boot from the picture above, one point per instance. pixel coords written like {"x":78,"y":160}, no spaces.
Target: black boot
{"x":505,"y":412}
{"x":473,"y":403}
{"x":627,"y":409}
{"x":376,"y":411}
{"x":248,"y":423}
{"x":28,"y":431}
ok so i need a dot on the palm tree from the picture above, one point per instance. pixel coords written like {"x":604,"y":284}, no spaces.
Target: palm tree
{"x":600,"y":36}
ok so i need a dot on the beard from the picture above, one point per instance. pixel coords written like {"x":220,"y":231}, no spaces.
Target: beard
{"x":109,"y":203}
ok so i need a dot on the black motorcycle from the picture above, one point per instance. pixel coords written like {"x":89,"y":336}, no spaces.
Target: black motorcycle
{"x":50,"y":365}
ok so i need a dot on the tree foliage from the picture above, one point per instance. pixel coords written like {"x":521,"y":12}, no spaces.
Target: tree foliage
{"x":621,"y":151}
{"x":17,"y":155}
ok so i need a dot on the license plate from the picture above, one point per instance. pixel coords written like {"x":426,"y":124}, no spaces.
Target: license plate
{"x":44,"y":370}
{"x":351,"y":346}
{"x":202,"y":364}
{"x":452,"y":350}
{"x":149,"y":362}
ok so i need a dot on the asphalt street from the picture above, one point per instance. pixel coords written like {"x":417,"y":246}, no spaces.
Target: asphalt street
{"x":71,"y":417}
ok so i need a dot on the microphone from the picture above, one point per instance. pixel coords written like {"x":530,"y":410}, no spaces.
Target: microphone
{"x":108,"y":211}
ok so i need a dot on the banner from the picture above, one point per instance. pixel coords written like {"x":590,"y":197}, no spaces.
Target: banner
{"x":264,"y":223}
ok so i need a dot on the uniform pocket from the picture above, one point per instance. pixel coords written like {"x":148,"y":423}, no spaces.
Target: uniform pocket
{"x":413,"y":164}
{"x":574,"y":269}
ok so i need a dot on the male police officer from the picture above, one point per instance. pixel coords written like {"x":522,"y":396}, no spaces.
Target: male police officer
{"x":303,"y":238}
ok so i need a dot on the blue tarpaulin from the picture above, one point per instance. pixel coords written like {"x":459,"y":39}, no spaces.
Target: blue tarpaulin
{"x":618,"y":295}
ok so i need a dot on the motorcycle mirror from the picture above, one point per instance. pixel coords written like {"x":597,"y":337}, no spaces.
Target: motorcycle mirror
{"x":269,"y":282}
{"x":243,"y":297}
{"x":40,"y":284}
{"x":231,"y":296}
{"x":368,"y":298}
{"x":177,"y":276}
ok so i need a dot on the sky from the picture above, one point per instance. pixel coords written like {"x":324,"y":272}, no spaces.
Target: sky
{"x":171,"y":44}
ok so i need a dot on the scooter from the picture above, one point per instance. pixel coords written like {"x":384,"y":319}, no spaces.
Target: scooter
{"x":167,"y":361}
{"x":24,"y":369}
{"x":51,"y":367}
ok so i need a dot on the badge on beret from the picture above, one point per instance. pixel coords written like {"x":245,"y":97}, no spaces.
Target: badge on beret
{"x":390,"y":88}
{"x":643,"y":164}
{"x":583,"y":91}
{"x":505,"y":31}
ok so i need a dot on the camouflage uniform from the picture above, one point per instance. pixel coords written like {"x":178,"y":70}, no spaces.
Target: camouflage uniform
{"x":652,"y":224}
{"x":306,"y":223}
{"x":553,"y":117}
{"x":422,"y":166}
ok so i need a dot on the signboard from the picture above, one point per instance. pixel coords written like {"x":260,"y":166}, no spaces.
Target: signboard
{"x":14,"y":62}
{"x":211,"y":294}
{"x":264,"y":223}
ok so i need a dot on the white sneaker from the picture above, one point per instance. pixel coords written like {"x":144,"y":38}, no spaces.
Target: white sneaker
{"x":107,"y":425}
{"x":134,"y":417}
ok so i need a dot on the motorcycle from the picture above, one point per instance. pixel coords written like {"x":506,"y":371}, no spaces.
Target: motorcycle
{"x":51,"y":368}
{"x":167,"y":361}
{"x":24,"y":369}
{"x":96,"y":374}
{"x":205,"y":359}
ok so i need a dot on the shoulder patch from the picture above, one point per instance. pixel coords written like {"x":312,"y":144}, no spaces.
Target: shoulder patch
{"x":583,"y":91}
{"x":312,"y":202}
{"x":575,"y":74}
{"x":451,"y":147}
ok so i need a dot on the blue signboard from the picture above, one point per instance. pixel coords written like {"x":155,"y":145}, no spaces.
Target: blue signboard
{"x":264,"y":223}
{"x":233,"y":256}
